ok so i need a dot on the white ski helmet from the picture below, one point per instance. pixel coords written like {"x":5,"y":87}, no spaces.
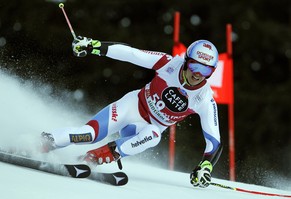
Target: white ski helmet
{"x":204,"y":52}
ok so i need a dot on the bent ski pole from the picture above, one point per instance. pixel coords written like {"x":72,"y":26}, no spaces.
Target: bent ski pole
{"x":61,"y":5}
{"x":248,"y":191}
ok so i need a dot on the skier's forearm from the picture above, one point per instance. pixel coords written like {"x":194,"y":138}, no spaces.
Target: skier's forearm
{"x":105,"y":45}
{"x":124,"y":52}
{"x":213,"y":157}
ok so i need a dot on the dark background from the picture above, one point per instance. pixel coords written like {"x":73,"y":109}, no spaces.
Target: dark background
{"x":35,"y":44}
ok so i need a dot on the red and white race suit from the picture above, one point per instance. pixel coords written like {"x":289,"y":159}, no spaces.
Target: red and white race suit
{"x":142,"y":115}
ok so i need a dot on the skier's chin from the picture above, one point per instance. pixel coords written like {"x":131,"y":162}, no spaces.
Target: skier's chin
{"x":194,"y":80}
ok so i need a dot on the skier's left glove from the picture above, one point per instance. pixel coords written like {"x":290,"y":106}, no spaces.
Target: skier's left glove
{"x":201,"y":175}
{"x":82,"y":46}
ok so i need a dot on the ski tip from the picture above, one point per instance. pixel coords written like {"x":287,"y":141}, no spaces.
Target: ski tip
{"x":120,"y":178}
{"x":115,"y":179}
{"x":79,"y":170}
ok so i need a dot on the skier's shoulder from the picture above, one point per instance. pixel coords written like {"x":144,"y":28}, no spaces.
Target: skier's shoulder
{"x":202,"y":96}
{"x":207,"y":91}
{"x":167,"y":62}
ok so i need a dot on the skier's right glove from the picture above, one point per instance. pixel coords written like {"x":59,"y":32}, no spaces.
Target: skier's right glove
{"x":201,"y":176}
{"x":82,"y":46}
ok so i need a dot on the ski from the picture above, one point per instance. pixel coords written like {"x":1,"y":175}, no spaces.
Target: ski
{"x":116,"y":179}
{"x":69,"y":170}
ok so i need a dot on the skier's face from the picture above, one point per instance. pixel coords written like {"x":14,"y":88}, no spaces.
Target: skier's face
{"x":202,"y":69}
{"x":193,"y":78}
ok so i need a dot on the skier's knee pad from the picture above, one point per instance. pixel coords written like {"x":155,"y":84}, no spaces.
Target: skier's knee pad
{"x":148,"y":137}
{"x":150,"y":134}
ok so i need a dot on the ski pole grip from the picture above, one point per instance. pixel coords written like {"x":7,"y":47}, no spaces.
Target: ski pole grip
{"x":61,"y":5}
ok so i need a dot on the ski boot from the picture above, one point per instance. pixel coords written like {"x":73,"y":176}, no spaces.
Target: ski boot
{"x":47,"y":142}
{"x":104,"y":154}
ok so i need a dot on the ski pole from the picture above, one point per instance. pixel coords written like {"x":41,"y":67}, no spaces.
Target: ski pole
{"x":248,"y":191}
{"x":61,"y":5}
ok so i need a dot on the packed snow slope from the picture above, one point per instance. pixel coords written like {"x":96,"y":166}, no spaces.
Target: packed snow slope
{"x":27,"y":110}
{"x":145,"y":182}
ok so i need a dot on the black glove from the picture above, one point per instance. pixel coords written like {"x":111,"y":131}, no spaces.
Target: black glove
{"x":201,"y":175}
{"x":82,"y":46}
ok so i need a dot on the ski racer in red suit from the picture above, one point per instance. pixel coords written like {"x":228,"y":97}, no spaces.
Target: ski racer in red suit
{"x":178,"y":89}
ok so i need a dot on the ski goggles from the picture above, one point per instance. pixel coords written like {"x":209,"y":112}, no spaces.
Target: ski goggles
{"x":196,"y":67}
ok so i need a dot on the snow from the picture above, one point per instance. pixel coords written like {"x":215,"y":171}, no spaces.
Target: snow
{"x":27,"y":110}
{"x":145,"y":182}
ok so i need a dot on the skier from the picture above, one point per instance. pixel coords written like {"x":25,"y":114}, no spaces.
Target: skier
{"x":179,"y":88}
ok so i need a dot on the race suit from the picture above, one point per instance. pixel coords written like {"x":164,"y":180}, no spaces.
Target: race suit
{"x":142,"y":115}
